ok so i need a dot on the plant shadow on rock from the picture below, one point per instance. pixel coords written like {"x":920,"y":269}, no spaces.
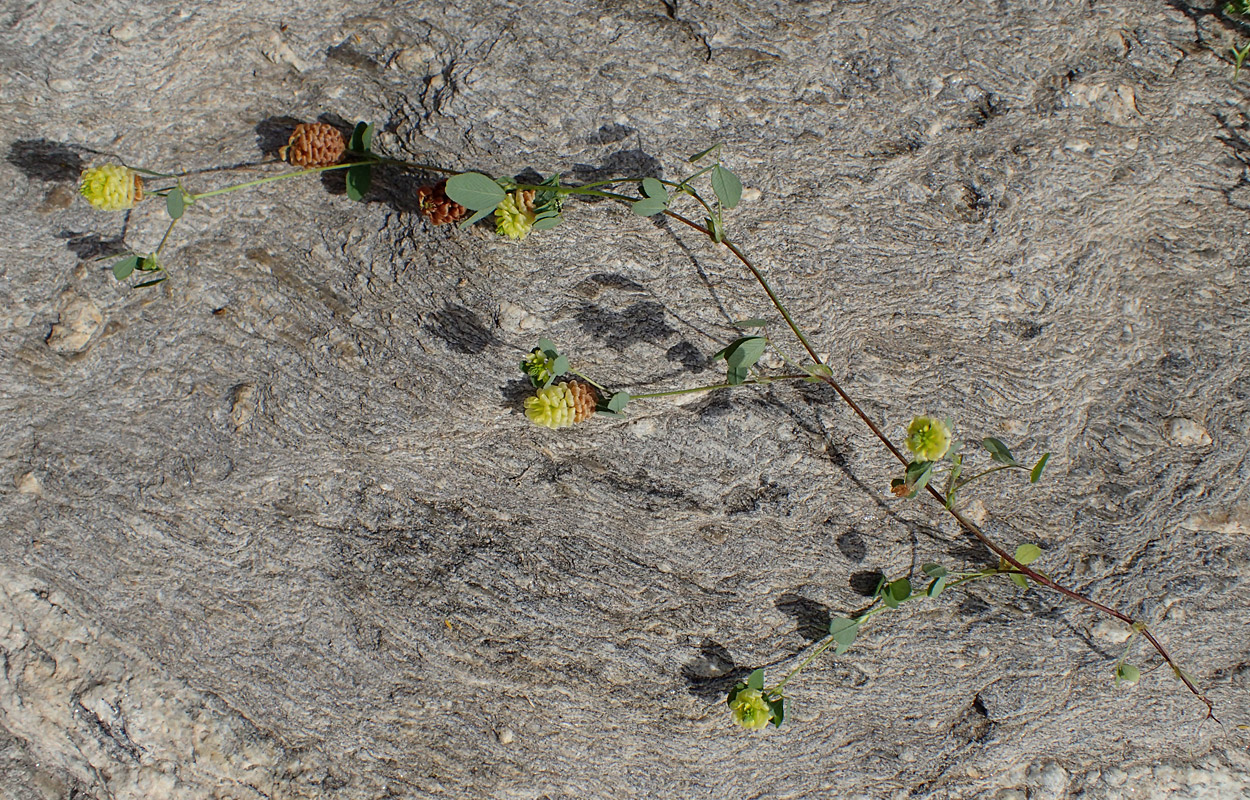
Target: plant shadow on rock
{"x":710,"y":675}
{"x":90,"y":246}
{"x":688,"y":356}
{"x":811,"y":617}
{"x":394,"y":186}
{"x":623,"y":164}
{"x":642,"y":321}
{"x":462,"y":330}
{"x":44,"y":160}
{"x":514,"y":393}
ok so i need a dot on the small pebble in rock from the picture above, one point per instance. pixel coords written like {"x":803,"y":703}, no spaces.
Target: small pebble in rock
{"x":1187,"y":433}
{"x":79,"y":320}
{"x":506,"y":736}
{"x":29,"y":484}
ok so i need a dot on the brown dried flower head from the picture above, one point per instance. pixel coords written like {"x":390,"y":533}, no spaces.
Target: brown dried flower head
{"x":437,"y":206}
{"x":314,"y":144}
{"x":584,"y":400}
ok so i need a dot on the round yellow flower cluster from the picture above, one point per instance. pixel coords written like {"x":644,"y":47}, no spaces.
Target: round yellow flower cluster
{"x":928,"y":438}
{"x":553,"y":407}
{"x":562,"y":404}
{"x":750,"y":710}
{"x":514,"y":217}
{"x":111,"y":187}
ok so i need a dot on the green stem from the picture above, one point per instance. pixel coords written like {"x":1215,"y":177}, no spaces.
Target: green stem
{"x":825,"y":644}
{"x":284,"y":176}
{"x":588,"y":380}
{"x":396,"y":162}
{"x":714,"y":387}
{"x":989,"y":471}
{"x":963,"y":521}
{"x":828,"y":641}
{"x":165,"y":239}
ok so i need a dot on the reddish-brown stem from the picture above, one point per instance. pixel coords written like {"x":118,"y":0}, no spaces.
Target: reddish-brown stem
{"x":963,"y":521}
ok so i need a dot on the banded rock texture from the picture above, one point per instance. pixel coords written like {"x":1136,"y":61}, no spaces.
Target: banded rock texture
{"x":278,"y":528}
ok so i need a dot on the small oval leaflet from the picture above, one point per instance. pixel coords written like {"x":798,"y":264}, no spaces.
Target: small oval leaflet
{"x":654,"y":189}
{"x":648,"y":206}
{"x":123,"y":268}
{"x":1028,"y":553}
{"x":727,"y":186}
{"x":475,"y":191}
{"x":359,"y":179}
{"x":174,"y":203}
{"x":1035,"y":474}
{"x":756,"y":681}
{"x":1127,"y":673}
{"x":998,"y":451}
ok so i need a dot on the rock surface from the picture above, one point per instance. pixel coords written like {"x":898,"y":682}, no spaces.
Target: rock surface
{"x":277,"y":528}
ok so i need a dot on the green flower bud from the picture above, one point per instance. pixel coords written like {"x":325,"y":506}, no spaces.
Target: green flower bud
{"x":515,"y":215}
{"x":750,"y":709}
{"x":538,"y":365}
{"x":111,"y":187}
{"x":555,"y":406}
{"x":928,"y":438}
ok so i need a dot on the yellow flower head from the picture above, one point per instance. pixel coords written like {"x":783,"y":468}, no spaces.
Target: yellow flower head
{"x":111,"y":187}
{"x":515,"y":215}
{"x":928,"y":438}
{"x":555,"y":406}
{"x":750,"y":710}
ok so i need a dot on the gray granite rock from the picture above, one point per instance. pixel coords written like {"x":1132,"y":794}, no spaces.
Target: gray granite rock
{"x":277,"y":527}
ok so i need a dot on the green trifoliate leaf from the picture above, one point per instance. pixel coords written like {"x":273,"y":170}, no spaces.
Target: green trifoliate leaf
{"x":936,"y":587}
{"x":1035,"y":474}
{"x":1018,"y":580}
{"x":359,"y":179}
{"x":727,"y":186}
{"x":1127,"y":673}
{"x":1028,"y":553}
{"x":998,"y":451}
{"x":123,"y":268}
{"x":150,"y":263}
{"x":934,"y":570}
{"x":475,"y":192}
{"x":560,"y":365}
{"x":548,"y":222}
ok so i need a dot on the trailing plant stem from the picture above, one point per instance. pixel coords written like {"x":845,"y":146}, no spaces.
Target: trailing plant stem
{"x":236,"y":187}
{"x":967,"y":524}
{"x":872,"y":612}
{"x":716,"y":386}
